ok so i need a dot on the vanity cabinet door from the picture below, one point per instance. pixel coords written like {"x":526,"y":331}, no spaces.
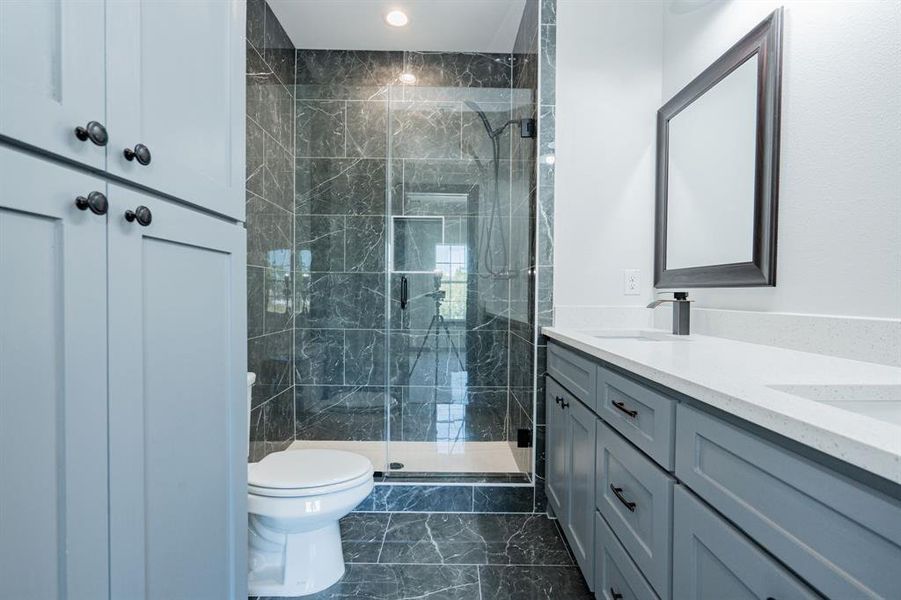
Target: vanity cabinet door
{"x":712,"y":559}
{"x":557,"y":463}
{"x":175,"y":84}
{"x":178,"y":408}
{"x":581,"y":427}
{"x":52,"y":75}
{"x":53,"y":390}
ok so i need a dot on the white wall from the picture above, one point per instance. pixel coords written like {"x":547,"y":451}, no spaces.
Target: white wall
{"x":608,"y":92}
{"x":839,"y":243}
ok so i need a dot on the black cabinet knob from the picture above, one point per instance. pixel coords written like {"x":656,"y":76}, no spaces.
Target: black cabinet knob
{"x":141,"y":153}
{"x":93,"y":131}
{"x":615,"y":595}
{"x":141,"y":214}
{"x":558,"y":399}
{"x":95,"y":201}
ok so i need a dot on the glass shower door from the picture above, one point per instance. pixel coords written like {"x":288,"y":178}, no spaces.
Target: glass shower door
{"x":453,"y":257}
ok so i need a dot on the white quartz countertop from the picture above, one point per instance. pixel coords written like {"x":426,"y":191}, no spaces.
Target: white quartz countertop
{"x":739,"y":378}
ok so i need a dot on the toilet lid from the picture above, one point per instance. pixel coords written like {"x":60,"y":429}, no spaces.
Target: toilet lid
{"x":297,"y":469}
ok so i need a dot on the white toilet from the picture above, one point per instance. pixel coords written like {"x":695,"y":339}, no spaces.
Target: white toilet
{"x":295,"y":499}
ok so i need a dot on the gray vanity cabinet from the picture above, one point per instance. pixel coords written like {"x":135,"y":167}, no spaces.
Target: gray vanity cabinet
{"x":642,"y":415}
{"x":712,"y":559}
{"x":556,"y":448}
{"x":571,"y":442}
{"x":690,"y":506}
{"x":795,"y":508}
{"x":579,"y":523}
{"x":635,"y":497}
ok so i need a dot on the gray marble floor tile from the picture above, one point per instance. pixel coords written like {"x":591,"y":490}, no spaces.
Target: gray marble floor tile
{"x":389,"y":498}
{"x":443,"y":538}
{"x":489,"y":499}
{"x":402,"y":582}
{"x":362,"y":535}
{"x":532,"y":583}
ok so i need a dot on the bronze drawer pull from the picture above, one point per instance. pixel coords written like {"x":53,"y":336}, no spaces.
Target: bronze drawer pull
{"x":618,"y":492}
{"x":622,"y":406}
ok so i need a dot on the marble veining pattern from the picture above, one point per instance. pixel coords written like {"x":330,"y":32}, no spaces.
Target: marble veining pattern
{"x":351,"y":115}
{"x":270,"y":229}
{"x":466,"y":557}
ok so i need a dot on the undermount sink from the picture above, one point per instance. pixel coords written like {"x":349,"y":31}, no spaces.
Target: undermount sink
{"x":639,"y":335}
{"x":881,"y":402}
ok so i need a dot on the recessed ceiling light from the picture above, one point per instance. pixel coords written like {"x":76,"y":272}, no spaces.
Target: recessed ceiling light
{"x":407,"y":78}
{"x":397,"y":18}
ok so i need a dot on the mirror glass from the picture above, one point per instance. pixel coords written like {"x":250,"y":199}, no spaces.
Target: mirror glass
{"x":710,"y":183}
{"x":718,"y":169}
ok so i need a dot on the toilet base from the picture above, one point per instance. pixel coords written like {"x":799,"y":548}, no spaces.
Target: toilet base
{"x":294,"y":564}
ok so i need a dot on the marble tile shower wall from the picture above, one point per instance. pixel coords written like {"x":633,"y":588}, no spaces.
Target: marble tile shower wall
{"x":532,"y":304}
{"x":270,"y":229}
{"x":361,"y":134}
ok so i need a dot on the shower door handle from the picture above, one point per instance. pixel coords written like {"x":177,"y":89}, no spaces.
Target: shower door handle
{"x":403,"y":292}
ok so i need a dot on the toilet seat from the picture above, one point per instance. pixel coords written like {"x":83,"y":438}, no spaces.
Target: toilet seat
{"x":299,"y":473}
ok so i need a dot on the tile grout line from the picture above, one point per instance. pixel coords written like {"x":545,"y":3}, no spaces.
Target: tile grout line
{"x":384,"y":537}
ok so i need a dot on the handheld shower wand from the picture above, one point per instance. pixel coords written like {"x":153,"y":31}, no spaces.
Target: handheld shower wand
{"x":527,"y":128}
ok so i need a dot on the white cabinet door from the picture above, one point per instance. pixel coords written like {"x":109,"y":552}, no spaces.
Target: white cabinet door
{"x":178,"y":402}
{"x":53,"y":390}
{"x":52,"y":74}
{"x":175,"y":84}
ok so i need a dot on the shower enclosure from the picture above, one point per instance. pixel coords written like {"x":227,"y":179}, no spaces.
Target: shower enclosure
{"x":415,"y":179}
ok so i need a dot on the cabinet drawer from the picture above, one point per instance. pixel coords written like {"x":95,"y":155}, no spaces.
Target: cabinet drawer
{"x":712,"y":559}
{"x":615,"y":575}
{"x":576,"y":373}
{"x":635,"y":497}
{"x":842,"y":538}
{"x":643,"y":415}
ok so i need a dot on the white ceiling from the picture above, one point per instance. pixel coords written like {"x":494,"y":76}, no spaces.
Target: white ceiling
{"x":439,"y":25}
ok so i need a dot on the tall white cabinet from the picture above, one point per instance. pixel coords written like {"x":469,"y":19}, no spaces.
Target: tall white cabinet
{"x":53,"y":389}
{"x":161,"y":84}
{"x":122,"y":300}
{"x":52,"y":75}
{"x":172,"y":86}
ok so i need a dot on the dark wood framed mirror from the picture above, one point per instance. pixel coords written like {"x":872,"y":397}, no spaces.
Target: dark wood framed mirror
{"x":718,"y":169}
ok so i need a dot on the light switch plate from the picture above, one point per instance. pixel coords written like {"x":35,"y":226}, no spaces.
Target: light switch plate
{"x":631,"y":282}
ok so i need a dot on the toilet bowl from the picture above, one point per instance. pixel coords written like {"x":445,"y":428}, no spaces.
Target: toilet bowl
{"x":295,"y":499}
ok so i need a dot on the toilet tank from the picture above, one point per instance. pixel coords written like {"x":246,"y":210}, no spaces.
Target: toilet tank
{"x":251,"y":377}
